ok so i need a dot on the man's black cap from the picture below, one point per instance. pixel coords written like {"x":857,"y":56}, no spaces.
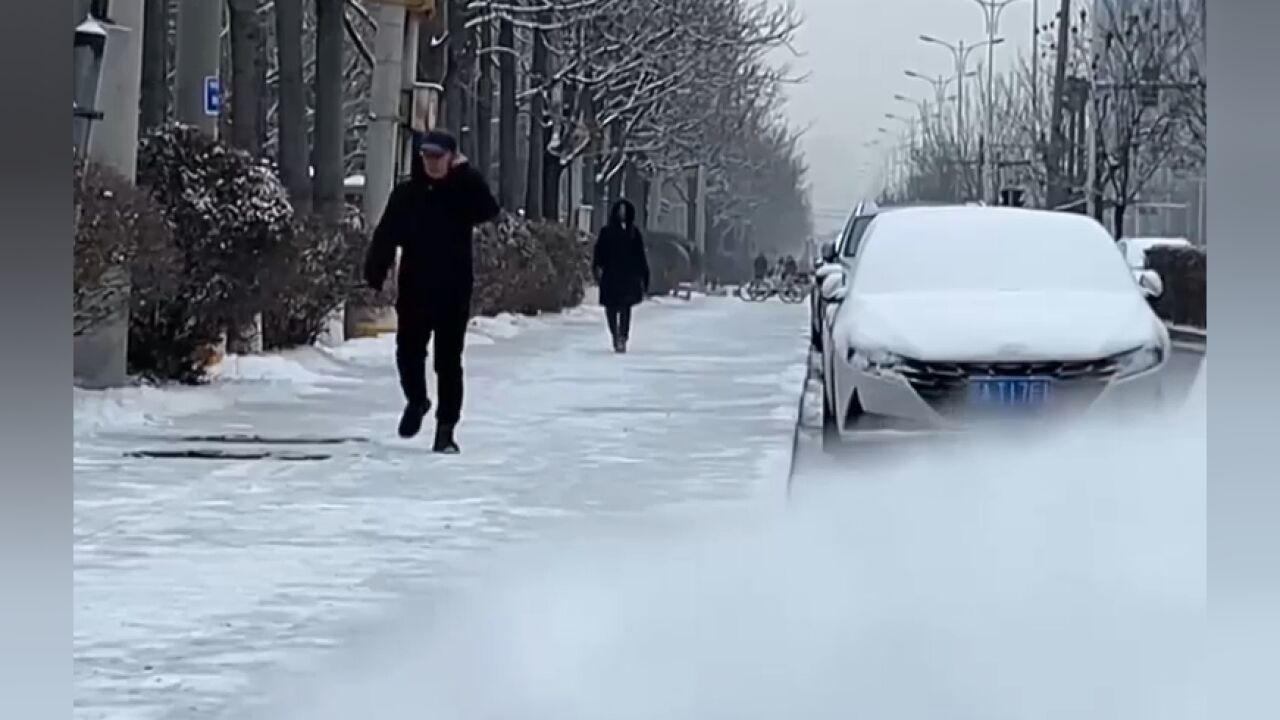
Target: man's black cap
{"x":436,"y":142}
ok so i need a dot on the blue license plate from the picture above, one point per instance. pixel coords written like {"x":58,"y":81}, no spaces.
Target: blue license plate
{"x":1010,"y":393}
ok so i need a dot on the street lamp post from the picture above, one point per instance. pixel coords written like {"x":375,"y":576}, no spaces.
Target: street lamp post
{"x":991,"y":11}
{"x":87,"y":55}
{"x":960,"y":54}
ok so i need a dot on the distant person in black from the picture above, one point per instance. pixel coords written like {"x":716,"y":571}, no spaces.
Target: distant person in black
{"x":430,"y":218}
{"x":622,"y":270}
{"x":762,"y":267}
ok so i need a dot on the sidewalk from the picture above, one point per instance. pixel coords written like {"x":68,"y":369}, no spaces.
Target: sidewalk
{"x":195,"y":577}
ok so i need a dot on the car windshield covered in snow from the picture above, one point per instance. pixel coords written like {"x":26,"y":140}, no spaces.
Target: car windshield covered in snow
{"x":980,"y":249}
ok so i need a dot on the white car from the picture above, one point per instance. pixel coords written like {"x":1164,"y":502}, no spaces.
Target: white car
{"x":952,"y":315}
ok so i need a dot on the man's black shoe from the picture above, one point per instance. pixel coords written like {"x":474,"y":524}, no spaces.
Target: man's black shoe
{"x":411,"y":420}
{"x":444,"y":440}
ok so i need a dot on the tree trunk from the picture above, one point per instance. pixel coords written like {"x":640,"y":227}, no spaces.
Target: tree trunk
{"x":483,"y":130}
{"x":327,"y":148}
{"x":508,"y":166}
{"x":455,"y":75}
{"x":633,"y":190}
{"x":551,"y":172}
{"x":264,"y":88}
{"x":155,"y":65}
{"x":535,"y":202}
{"x":1117,"y":219}
{"x":616,"y":157}
{"x":246,"y":39}
{"x":597,"y":192}
{"x":292,"y":114}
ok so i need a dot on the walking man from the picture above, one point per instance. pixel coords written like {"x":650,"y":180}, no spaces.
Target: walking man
{"x":429,"y":218}
{"x":622,"y":270}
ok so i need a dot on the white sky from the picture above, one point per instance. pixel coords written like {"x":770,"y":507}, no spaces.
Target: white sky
{"x":855,"y":53}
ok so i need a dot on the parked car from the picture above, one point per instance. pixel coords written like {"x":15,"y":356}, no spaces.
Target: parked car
{"x":947,"y":316}
{"x":842,"y":252}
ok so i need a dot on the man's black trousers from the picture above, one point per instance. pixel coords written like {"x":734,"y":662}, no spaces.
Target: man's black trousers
{"x":415,"y":328}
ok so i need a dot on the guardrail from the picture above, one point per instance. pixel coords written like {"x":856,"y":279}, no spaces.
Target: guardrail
{"x":1190,"y":338}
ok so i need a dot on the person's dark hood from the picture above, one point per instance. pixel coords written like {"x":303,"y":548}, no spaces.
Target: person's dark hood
{"x":628,"y":213}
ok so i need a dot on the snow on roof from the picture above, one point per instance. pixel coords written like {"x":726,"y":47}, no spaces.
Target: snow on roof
{"x":942,"y":249}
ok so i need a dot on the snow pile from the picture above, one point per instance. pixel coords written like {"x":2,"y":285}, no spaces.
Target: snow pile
{"x":1003,"y":580}
{"x":284,"y":367}
{"x":503,"y":326}
{"x":117,"y":408}
{"x":378,"y":350}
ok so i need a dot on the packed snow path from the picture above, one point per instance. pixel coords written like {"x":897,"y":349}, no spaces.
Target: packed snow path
{"x":197,"y":577}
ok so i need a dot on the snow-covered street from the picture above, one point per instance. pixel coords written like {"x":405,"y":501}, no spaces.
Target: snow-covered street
{"x":240,"y":540}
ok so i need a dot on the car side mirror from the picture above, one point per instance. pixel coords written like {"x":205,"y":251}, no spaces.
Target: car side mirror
{"x":833,"y":288}
{"x":825,"y":271}
{"x":828,"y":252}
{"x":1151,"y":283}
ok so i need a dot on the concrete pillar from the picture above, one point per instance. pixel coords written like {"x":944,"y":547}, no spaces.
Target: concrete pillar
{"x":100,"y":356}
{"x":382,"y":143}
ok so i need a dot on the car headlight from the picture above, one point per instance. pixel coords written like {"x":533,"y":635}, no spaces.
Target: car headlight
{"x":1140,"y":360}
{"x":879,"y":362}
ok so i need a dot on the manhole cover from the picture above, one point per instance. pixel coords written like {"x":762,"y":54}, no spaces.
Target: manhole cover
{"x":234,"y":439}
{"x":226,"y":455}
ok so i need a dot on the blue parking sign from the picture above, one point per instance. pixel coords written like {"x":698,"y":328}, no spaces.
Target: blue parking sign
{"x":212,"y":96}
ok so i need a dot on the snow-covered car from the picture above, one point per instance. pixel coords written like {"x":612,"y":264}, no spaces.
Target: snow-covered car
{"x":950,"y":315}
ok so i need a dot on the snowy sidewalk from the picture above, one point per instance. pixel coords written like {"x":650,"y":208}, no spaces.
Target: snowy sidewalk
{"x":195,"y":578}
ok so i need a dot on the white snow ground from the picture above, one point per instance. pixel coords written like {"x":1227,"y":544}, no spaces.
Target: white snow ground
{"x":1054,"y":578}
{"x":197,"y":581}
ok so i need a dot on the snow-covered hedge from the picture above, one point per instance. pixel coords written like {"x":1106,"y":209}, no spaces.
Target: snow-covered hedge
{"x":119,"y":231}
{"x":1184,"y":272}
{"x":232,"y":222}
{"x":322,"y":273}
{"x":528,"y":267}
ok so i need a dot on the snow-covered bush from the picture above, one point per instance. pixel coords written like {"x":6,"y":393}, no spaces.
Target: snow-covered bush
{"x":232,"y":222}
{"x":322,"y":273}
{"x":1184,"y":271}
{"x":119,"y":231}
{"x":528,"y":268}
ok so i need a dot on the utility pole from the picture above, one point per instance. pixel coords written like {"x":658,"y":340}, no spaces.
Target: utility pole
{"x":199,"y":55}
{"x":1058,"y":140}
{"x":1035,"y":69}
{"x":991,"y":10}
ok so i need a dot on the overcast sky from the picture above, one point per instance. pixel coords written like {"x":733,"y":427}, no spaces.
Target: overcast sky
{"x":855,"y":53}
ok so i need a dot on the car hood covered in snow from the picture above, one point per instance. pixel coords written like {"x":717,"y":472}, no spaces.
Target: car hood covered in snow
{"x":991,"y":326}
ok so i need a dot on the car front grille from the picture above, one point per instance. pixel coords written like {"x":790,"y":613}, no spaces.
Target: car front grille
{"x":944,"y":384}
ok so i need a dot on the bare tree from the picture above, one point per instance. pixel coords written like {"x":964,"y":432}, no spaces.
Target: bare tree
{"x":1142,"y":57}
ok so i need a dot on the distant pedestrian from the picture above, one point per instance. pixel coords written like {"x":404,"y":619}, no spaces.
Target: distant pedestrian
{"x":622,"y":269}
{"x":430,"y":218}
{"x":790,"y":268}
{"x":761,"y":267}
